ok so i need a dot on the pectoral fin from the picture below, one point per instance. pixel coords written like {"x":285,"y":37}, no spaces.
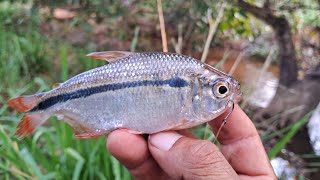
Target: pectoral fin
{"x":110,"y":56}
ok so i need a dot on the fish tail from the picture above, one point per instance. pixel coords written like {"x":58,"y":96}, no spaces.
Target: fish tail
{"x":25,"y":103}
{"x":29,"y":123}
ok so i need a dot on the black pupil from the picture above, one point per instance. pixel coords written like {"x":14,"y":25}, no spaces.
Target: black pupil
{"x":222,"y":89}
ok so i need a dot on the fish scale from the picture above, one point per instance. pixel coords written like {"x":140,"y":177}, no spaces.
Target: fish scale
{"x":140,"y":92}
{"x":125,"y":70}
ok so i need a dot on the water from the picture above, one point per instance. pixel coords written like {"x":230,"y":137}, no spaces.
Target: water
{"x":261,"y":87}
{"x":283,"y":169}
{"x":313,"y":130}
{"x":258,"y":88}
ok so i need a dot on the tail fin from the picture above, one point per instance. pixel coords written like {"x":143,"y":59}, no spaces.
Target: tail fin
{"x":30,"y":122}
{"x":25,"y":103}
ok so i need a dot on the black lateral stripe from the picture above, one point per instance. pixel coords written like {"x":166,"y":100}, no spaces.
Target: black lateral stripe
{"x":82,"y":93}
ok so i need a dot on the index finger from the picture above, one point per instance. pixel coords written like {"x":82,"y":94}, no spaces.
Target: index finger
{"x":241,"y":144}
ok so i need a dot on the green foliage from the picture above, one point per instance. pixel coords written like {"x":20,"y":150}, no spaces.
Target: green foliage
{"x":238,"y":23}
{"x":311,"y":15}
{"x":51,"y":152}
{"x":291,"y":131}
{"x":31,"y":62}
{"x":19,"y":56}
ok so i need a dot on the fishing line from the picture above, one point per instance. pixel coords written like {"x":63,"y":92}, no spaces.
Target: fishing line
{"x":224,"y":121}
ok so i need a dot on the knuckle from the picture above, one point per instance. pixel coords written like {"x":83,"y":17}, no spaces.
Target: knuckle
{"x":203,"y":155}
{"x":202,"y":160}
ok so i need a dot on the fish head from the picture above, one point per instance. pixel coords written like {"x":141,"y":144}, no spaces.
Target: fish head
{"x":218,"y":92}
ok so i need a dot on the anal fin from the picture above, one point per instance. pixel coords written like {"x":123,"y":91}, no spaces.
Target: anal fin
{"x":29,"y":123}
{"x":91,"y":134}
{"x":130,"y":131}
{"x":83,"y":131}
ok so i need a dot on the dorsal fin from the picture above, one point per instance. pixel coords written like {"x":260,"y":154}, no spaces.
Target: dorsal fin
{"x":110,"y":56}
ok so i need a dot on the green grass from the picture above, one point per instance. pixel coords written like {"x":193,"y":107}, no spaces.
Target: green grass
{"x":31,"y":63}
{"x":52,"y":151}
{"x":290,"y":131}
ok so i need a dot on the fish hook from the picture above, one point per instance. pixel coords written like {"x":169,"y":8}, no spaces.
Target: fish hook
{"x":227,"y":116}
{"x":224,"y":121}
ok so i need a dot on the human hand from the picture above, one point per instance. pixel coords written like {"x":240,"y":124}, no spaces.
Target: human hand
{"x":173,"y":155}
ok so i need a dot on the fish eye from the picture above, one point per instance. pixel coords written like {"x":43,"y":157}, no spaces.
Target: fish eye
{"x":221,"y":89}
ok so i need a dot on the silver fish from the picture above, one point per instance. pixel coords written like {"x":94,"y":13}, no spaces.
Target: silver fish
{"x":140,"y":92}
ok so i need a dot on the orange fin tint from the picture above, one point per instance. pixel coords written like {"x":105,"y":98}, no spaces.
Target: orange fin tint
{"x":24,"y":103}
{"x":29,"y":123}
{"x":91,"y":134}
{"x":130,"y":131}
{"x":81,"y":130}
{"x":110,"y":56}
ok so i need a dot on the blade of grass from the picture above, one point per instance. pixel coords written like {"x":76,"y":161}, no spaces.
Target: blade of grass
{"x":281,"y":132}
{"x":313,"y":164}
{"x":116,"y":168}
{"x":28,"y":158}
{"x":134,"y":41}
{"x":80,"y":162}
{"x":64,"y":63}
{"x":310,"y":156}
{"x":283,"y":142}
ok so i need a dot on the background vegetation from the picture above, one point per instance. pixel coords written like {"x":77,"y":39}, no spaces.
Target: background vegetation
{"x":41,"y":44}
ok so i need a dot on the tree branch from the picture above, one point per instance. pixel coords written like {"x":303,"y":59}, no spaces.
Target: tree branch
{"x":162,"y":27}
{"x":299,"y":6}
{"x":213,"y":27}
{"x":264,"y":14}
{"x":282,"y":30}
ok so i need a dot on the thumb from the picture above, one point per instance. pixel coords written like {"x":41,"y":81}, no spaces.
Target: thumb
{"x":186,"y":158}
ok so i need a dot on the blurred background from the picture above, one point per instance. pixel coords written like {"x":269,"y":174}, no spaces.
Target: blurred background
{"x":272,"y":47}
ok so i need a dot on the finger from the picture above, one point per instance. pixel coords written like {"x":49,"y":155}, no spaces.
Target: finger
{"x":238,"y":126}
{"x":187,"y":158}
{"x":241,"y":144}
{"x":132,"y":151}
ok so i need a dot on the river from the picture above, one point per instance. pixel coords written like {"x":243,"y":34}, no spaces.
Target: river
{"x":258,"y":87}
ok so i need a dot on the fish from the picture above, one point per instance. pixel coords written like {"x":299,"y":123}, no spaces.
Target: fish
{"x":140,"y":92}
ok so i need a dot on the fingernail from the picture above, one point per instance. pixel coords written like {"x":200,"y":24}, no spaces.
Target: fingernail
{"x":164,"y":140}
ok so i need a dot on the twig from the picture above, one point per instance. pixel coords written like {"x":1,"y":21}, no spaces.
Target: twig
{"x":178,"y":45}
{"x":263,"y":70}
{"x":236,"y":63}
{"x":227,"y":53}
{"x":162,"y":27}
{"x":134,"y":41}
{"x":212,"y":30}
{"x":267,"y":63}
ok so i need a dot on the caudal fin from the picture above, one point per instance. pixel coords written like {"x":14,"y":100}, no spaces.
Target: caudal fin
{"x":24,"y":103}
{"x":29,"y":123}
